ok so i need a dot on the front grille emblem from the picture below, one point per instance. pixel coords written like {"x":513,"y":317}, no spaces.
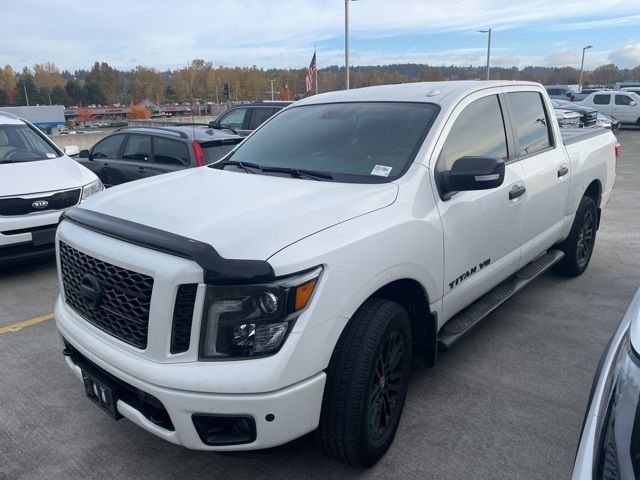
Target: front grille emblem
{"x":91,"y":290}
{"x":40,"y":204}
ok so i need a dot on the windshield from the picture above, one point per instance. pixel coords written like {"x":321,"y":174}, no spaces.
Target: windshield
{"x":19,"y":143}
{"x":635,"y":97}
{"x":347,"y":142}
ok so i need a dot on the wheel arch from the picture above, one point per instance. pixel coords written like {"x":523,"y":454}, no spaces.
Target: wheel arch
{"x":414,"y":298}
{"x":594,"y":191}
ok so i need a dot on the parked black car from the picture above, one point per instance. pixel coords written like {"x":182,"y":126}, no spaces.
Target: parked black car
{"x":588,"y":115}
{"x":132,"y":153}
{"x":244,"y":119}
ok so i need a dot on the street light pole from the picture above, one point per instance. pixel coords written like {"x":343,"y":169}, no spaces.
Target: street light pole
{"x":488,"y":51}
{"x":584,"y":49}
{"x":346,"y":44}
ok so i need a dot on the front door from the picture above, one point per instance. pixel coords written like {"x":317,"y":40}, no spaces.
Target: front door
{"x":483,"y":228}
{"x":625,"y":108}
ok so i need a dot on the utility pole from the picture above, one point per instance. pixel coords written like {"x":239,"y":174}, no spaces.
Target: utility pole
{"x":582,"y":67}
{"x":25,"y":94}
{"x":488,"y":51}
{"x":346,"y":43}
{"x":272,"y":81}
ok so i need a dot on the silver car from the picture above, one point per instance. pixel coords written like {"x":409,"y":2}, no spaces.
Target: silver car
{"x":610,"y":442}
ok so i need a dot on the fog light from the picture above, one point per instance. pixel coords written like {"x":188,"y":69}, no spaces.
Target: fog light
{"x":224,"y":429}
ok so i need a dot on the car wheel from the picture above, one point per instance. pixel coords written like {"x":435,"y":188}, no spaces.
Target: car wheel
{"x":367,"y":381}
{"x":578,"y":246}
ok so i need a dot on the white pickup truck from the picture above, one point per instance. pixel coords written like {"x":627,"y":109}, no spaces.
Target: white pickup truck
{"x":288,"y":288}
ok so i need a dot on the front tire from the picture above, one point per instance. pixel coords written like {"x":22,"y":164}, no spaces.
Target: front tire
{"x":367,"y":383}
{"x":578,"y":247}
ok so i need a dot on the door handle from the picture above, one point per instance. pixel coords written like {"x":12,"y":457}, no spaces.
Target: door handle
{"x":140,"y":169}
{"x":562,"y":171}
{"x":516,"y":191}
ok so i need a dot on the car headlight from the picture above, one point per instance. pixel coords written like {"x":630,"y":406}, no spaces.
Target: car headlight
{"x":91,"y":189}
{"x":241,"y":321}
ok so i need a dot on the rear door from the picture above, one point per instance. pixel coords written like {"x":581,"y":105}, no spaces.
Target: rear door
{"x":169,"y":156}
{"x":135,"y":161}
{"x":625,"y":108}
{"x":482,"y":228}
{"x":602,"y":102}
{"x":546,"y":170}
{"x":102,"y":157}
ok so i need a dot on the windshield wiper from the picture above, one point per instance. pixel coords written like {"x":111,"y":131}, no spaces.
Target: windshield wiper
{"x":246,"y":166}
{"x":8,"y":161}
{"x":216,"y":126}
{"x":299,"y":173}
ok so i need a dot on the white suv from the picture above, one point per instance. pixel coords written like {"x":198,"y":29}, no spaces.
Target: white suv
{"x":37,"y":183}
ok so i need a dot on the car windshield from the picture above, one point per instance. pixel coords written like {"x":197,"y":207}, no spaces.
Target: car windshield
{"x":345,"y":142}
{"x":635,"y":97}
{"x":20,"y":143}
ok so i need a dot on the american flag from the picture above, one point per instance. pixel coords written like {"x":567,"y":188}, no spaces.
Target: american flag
{"x":312,"y":70}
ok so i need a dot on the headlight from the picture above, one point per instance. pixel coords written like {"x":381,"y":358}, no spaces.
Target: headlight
{"x":241,"y":321}
{"x":91,"y":189}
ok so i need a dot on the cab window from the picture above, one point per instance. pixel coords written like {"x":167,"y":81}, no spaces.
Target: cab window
{"x":601,"y":99}
{"x":531,"y":122}
{"x":623,"y":100}
{"x":170,"y":152}
{"x":259,"y":115}
{"x":478,"y":131}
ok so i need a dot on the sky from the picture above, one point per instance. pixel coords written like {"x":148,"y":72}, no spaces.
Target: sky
{"x":283,"y":33}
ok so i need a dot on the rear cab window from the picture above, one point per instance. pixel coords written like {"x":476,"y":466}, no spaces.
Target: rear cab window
{"x":531,"y":123}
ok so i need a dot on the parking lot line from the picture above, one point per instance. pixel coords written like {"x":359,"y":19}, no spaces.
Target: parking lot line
{"x":14,"y":327}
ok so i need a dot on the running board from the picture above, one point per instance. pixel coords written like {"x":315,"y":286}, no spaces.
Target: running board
{"x":463,"y":322}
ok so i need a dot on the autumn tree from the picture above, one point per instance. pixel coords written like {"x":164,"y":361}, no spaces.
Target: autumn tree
{"x":605,"y":74}
{"x":8,"y":81}
{"x":146,"y":83}
{"x":47,"y":76}
{"x":138,"y":113}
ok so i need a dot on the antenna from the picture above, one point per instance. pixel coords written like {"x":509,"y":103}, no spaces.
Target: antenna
{"x":193,"y":120}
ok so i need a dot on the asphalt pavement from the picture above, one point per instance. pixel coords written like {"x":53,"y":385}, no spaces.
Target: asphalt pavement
{"x":506,"y":403}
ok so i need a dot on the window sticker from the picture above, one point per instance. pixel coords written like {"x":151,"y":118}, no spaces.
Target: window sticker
{"x":381,"y":170}
{"x":51,"y":155}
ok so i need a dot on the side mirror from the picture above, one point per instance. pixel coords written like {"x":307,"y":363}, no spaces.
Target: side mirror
{"x":473,"y":173}
{"x":71,"y":150}
{"x":213,"y":124}
{"x":84,"y":154}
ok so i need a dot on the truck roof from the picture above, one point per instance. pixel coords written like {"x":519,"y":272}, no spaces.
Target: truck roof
{"x":442,"y":93}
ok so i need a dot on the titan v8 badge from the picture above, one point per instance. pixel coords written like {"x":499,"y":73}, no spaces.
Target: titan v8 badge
{"x":468,"y":273}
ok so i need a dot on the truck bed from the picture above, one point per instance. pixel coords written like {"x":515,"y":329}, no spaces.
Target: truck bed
{"x":574,"y":135}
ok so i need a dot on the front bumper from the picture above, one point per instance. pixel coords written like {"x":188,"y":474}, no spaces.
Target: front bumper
{"x":21,"y":237}
{"x":280,"y":416}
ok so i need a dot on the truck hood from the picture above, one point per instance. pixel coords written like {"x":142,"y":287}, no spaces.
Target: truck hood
{"x":243,"y":216}
{"x":23,"y":178}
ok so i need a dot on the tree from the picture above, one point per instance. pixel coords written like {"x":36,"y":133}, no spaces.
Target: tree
{"x":605,"y":74}
{"x":8,"y":82}
{"x":146,"y":83}
{"x":59,"y":96}
{"x":47,"y":76}
{"x":84,"y":115}
{"x":106,"y":83}
{"x":138,"y":113}
{"x":75,"y":92}
{"x":25,"y":84}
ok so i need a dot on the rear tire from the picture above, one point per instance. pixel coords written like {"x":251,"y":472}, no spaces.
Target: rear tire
{"x":367,"y":381}
{"x":578,"y":246}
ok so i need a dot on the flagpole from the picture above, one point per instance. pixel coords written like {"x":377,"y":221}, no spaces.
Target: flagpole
{"x":315,"y":52}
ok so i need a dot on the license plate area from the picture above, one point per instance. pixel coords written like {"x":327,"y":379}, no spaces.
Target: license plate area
{"x":43,"y":237}
{"x":101,"y":392}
